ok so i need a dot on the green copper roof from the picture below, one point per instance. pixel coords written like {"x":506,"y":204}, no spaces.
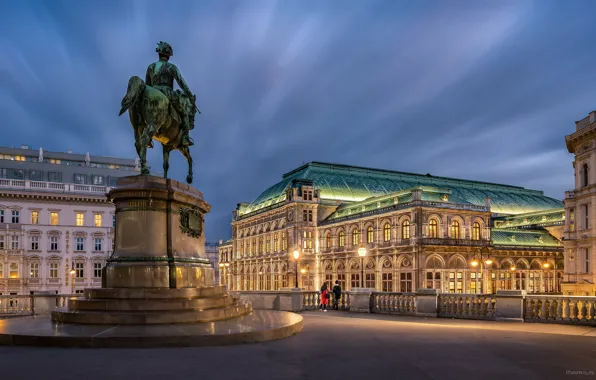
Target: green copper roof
{"x":552,"y":217}
{"x":524,"y":238}
{"x":352,"y":184}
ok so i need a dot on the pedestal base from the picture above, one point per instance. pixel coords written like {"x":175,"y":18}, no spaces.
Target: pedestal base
{"x":135,"y":306}
{"x":258,"y":326}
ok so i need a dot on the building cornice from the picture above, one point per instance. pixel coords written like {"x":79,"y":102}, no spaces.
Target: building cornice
{"x":54,"y":197}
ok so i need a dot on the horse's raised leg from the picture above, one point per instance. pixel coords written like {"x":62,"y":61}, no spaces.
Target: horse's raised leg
{"x":137,"y":131}
{"x":186,"y":153}
{"x":148,"y":134}
{"x":166,"y":159}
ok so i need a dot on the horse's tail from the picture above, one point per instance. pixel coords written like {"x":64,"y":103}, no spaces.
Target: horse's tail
{"x":134,"y":90}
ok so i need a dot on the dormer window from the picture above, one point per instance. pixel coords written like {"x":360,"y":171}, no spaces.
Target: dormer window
{"x":307,"y":195}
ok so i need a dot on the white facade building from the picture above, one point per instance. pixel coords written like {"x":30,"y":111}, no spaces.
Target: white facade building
{"x":56,"y":224}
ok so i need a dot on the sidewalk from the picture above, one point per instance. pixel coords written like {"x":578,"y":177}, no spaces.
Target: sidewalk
{"x":529,"y":327}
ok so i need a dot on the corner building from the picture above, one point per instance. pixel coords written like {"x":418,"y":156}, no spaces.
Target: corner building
{"x":419,"y":231}
{"x":56,"y":224}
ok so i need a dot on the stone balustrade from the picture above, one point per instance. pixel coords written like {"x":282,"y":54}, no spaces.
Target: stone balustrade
{"x":505,"y":305}
{"x":35,"y":304}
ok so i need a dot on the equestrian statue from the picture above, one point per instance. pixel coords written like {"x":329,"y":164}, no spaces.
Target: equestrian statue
{"x":158,"y":112}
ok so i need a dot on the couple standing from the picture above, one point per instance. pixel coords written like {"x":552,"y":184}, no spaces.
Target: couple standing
{"x":326,"y":295}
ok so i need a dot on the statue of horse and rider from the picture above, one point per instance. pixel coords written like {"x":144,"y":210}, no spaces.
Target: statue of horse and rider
{"x":158,"y":112}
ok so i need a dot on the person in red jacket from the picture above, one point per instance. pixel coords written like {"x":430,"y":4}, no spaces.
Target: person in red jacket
{"x":324,"y":297}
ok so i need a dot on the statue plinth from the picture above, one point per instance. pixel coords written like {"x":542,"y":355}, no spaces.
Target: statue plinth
{"x":159,"y":271}
{"x":159,"y":238}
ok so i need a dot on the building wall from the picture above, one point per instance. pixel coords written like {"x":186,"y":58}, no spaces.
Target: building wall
{"x":404,"y":250}
{"x":580,"y":211}
{"x":54,"y":219}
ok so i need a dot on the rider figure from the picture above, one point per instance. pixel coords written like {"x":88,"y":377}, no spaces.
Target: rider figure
{"x":161,"y":76}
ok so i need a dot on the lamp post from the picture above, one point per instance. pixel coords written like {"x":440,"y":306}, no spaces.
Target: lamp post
{"x":296,"y":257}
{"x":362,"y":253}
{"x":482,"y":254}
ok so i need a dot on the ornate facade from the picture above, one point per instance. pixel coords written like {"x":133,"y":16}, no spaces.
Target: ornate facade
{"x":580,"y":203}
{"x":56,"y":224}
{"x":416,"y":231}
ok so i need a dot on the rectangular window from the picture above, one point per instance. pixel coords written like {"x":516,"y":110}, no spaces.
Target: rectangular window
{"x":55,"y":177}
{"x":35,"y":243}
{"x":79,"y":179}
{"x":355,"y":283}
{"x":97,"y":270}
{"x":406,"y":282}
{"x":53,"y":243}
{"x":34,"y":217}
{"x":79,"y":270}
{"x":1,"y":216}
{"x":587,"y":260}
{"x":34,"y":270}
{"x":369,"y":280}
{"x":80,"y":243}
{"x":1,"y":241}
{"x":1,"y":272}
{"x":13,"y":270}
{"x":35,"y":175}
{"x":586,"y":216}
{"x":16,"y":214}
{"x":15,"y":242}
{"x":18,"y":174}
{"x":53,"y":270}
{"x":98,"y":244}
{"x":387,"y":281}
{"x":80,"y":219}
{"x":98,"y":220}
{"x":113,"y":220}
{"x":3,"y":172}
{"x":54,"y":218}
{"x":98,"y":180}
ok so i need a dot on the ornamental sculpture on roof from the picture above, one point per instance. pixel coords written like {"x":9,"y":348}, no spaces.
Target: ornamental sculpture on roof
{"x":158,"y":112}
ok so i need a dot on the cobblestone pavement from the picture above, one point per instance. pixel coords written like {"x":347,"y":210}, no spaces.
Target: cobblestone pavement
{"x":337,"y":345}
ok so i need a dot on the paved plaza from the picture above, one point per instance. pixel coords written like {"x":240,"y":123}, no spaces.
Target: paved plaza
{"x":337,"y":345}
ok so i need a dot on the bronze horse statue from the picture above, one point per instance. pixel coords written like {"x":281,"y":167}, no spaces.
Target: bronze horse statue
{"x":151,"y":118}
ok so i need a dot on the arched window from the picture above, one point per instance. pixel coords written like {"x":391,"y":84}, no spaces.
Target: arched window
{"x":284,"y":241}
{"x":355,"y":237}
{"x":342,"y":239}
{"x":387,"y":232}
{"x":275,"y":243}
{"x":585,"y":174}
{"x":433,"y":229}
{"x":405,"y":229}
{"x":476,"y":231}
{"x":370,"y":235}
{"x":455,"y":229}
{"x":328,"y":240}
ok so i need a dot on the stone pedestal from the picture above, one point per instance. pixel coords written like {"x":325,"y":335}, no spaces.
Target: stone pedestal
{"x":510,"y":305}
{"x":159,"y":271}
{"x":361,"y":300}
{"x":427,"y":302}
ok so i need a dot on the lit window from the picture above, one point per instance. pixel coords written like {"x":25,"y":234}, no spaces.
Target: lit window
{"x":13,"y":270}
{"x":54,"y":218}
{"x":34,"y":270}
{"x":370,"y":235}
{"x":433,"y":228}
{"x":355,"y":237}
{"x":53,"y":270}
{"x":476,"y":231}
{"x":405,"y":230}
{"x":455,"y":229}
{"x":341,"y":238}
{"x":98,"y":220}
{"x":268,"y":244}
{"x":80,"y":219}
{"x":34,"y":217}
{"x":275,"y":244}
{"x":284,"y":241}
{"x":328,"y":240}
{"x":54,"y":161}
{"x":387,"y":232}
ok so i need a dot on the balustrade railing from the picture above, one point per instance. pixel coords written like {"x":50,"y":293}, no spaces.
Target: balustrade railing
{"x":52,"y":186}
{"x":312,"y":300}
{"x":470,"y":306}
{"x":23,"y":305}
{"x":560,"y":309}
{"x":394,"y":303}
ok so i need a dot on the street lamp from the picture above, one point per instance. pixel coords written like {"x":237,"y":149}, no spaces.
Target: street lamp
{"x":72,"y":279}
{"x":483,"y":259}
{"x":362,"y":253}
{"x":296,"y":257}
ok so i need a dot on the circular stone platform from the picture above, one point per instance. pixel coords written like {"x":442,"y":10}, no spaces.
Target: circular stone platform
{"x":258,"y":326}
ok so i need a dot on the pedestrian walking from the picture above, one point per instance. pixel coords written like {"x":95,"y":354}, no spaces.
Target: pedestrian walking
{"x":336,"y":295}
